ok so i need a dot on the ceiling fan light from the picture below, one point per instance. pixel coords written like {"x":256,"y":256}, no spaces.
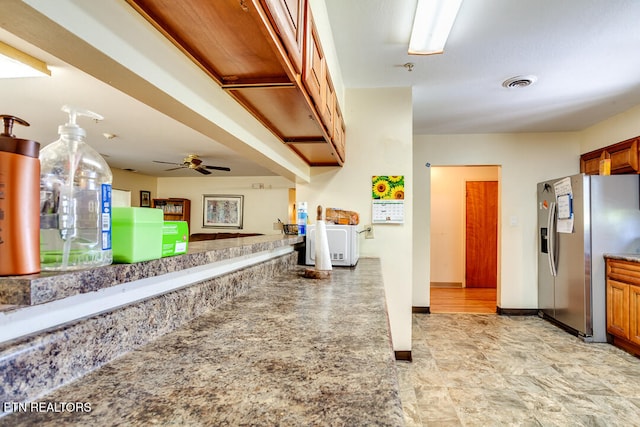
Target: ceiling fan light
{"x":432,"y":24}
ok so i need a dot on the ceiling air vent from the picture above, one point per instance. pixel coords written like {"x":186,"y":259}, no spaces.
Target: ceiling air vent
{"x":519,"y":81}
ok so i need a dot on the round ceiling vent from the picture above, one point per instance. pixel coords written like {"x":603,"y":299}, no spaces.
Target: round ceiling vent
{"x":519,"y":81}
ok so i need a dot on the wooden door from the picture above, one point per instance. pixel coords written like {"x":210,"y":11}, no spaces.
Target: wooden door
{"x":481,"y":247}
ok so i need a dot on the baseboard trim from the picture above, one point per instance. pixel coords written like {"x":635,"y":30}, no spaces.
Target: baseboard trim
{"x":423,"y":310}
{"x":404,"y":355}
{"x":517,"y":311}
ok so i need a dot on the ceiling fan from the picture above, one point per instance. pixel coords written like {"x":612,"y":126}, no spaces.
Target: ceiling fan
{"x":193,"y":162}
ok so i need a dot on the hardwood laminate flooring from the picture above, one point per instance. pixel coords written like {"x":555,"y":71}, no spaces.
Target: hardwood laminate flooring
{"x":463,"y":300}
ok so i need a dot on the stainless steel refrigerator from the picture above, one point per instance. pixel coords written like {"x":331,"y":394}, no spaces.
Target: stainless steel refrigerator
{"x":580,"y":218}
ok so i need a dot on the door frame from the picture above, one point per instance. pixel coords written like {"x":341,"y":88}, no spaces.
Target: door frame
{"x":462,"y":184}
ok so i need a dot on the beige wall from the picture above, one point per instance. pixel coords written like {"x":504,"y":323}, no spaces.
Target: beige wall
{"x":379,"y":134}
{"x":448,"y":218}
{"x":134,"y":182}
{"x":615,"y":129}
{"x":262,"y":207}
{"x":525,"y":160}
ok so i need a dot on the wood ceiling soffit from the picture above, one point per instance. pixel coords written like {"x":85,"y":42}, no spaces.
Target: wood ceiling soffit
{"x":220,"y":52}
{"x":235,"y":43}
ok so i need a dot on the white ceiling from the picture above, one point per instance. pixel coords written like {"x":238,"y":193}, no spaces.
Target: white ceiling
{"x":585,"y":54}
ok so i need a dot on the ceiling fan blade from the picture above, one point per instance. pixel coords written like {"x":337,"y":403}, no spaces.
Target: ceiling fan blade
{"x":174,"y":169}
{"x":218,"y":168}
{"x":167,"y":163}
{"x":203,"y":171}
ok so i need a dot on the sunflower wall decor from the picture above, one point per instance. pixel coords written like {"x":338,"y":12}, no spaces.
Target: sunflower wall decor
{"x":387,"y":187}
{"x":387,"y":193}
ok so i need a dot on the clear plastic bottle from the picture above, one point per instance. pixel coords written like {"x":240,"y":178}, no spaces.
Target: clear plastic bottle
{"x":302,"y":218}
{"x":75,"y":201}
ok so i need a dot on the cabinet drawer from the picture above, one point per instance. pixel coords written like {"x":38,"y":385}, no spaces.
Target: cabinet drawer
{"x":624,"y":271}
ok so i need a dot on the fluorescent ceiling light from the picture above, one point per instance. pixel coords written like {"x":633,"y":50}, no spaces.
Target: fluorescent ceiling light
{"x":15,"y":63}
{"x":431,"y":26}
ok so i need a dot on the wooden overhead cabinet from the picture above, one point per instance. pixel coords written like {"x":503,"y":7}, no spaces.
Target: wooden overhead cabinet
{"x":258,"y":51}
{"x":624,"y":158}
{"x":289,"y":21}
{"x":590,"y":162}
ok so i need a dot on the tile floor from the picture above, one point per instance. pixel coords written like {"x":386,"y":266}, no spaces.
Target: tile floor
{"x":490,"y":370}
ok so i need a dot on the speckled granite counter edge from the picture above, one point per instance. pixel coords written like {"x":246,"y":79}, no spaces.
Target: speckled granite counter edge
{"x":45,"y":287}
{"x":33,"y":366}
{"x":624,"y":257}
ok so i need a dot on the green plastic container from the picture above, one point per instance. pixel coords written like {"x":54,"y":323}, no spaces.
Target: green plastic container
{"x":136,"y":234}
{"x":175,"y":238}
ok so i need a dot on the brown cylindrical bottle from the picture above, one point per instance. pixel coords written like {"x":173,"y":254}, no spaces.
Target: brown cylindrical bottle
{"x":19,"y":202}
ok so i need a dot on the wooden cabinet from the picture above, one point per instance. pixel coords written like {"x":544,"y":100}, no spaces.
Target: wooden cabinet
{"x":267,"y":55}
{"x":590,"y":162}
{"x":339,"y":135}
{"x":634,"y":314}
{"x":624,"y":157}
{"x":314,"y":66}
{"x":175,"y":209}
{"x":618,"y":308}
{"x":623,"y":304}
{"x":288,"y":18}
{"x":319,"y":85}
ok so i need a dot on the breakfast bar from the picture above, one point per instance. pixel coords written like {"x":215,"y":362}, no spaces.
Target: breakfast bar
{"x":285,"y":351}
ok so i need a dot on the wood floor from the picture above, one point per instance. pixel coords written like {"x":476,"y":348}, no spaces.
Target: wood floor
{"x":462,"y":300}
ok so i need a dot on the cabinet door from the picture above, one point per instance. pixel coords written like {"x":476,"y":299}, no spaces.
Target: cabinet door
{"x":339,"y":133}
{"x":634,"y":314}
{"x":288,"y":16}
{"x":314,"y":65}
{"x":618,"y":308}
{"x":624,"y":156}
{"x":329,"y":101}
{"x":590,"y":162}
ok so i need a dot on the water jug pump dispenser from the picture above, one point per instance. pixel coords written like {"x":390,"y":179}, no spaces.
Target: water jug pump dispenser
{"x":75,"y":200}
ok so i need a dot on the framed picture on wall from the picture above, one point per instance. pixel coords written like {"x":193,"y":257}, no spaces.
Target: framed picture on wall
{"x":145,"y":199}
{"x":222,"y":211}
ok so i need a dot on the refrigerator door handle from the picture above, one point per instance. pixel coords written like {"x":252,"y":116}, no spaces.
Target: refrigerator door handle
{"x":552,"y":252}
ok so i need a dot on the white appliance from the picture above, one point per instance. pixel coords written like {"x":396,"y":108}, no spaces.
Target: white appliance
{"x":343,"y":245}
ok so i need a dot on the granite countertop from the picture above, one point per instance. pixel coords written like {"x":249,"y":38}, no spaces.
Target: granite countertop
{"x":34,"y":289}
{"x":624,"y":257}
{"x":295,"y":351}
